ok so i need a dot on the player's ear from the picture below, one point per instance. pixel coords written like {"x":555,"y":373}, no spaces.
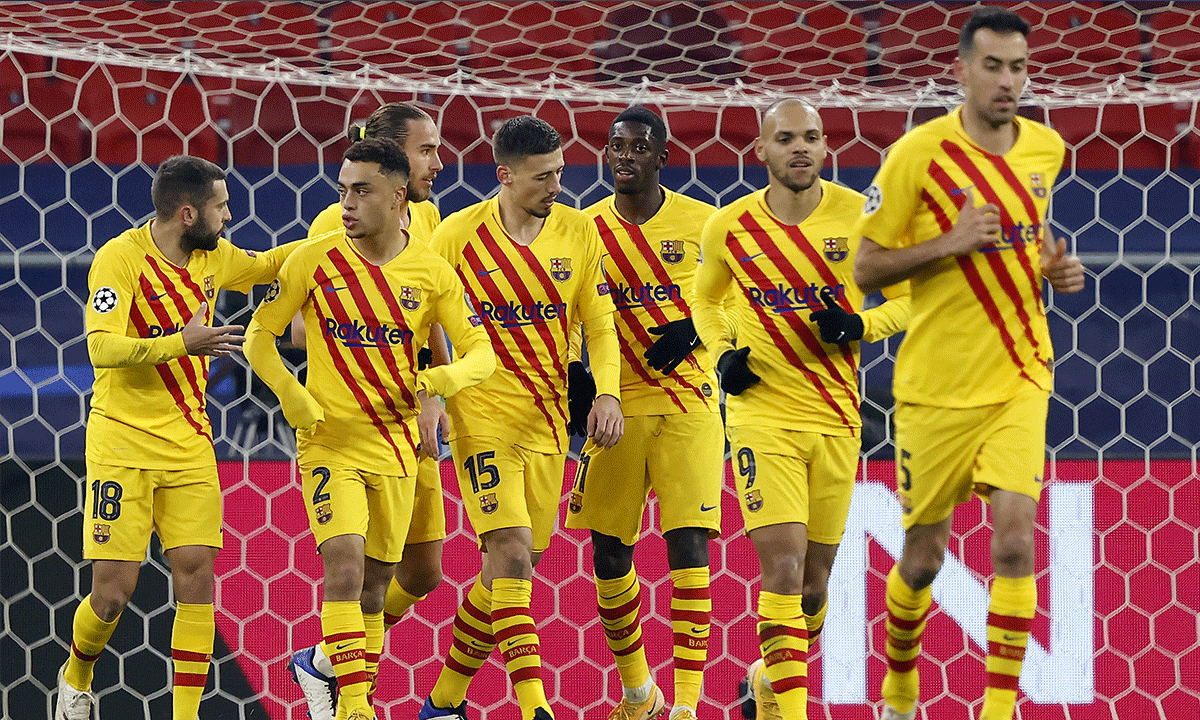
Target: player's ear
{"x":959,"y":68}
{"x":401,"y":193}
{"x":760,"y":150}
{"x":188,"y":214}
{"x":662,"y":157}
{"x":504,"y":175}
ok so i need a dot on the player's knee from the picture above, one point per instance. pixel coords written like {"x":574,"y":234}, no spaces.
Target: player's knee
{"x":814,"y":598}
{"x":109,"y":602}
{"x":782,"y":574}
{"x":687,"y":548}
{"x":420,"y":581}
{"x":343,"y":580}
{"x":612,"y":558}
{"x":1012,"y":550}
{"x":923,"y":572}
{"x":509,"y":556}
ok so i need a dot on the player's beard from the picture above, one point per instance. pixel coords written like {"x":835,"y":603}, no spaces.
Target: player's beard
{"x":417,"y":194}
{"x":791,"y":184}
{"x":200,"y":236}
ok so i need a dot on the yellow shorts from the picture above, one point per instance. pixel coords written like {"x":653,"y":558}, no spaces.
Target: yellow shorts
{"x":943,"y":454}
{"x":787,"y":476}
{"x":681,"y":457}
{"x":346,"y":501}
{"x":429,"y":510}
{"x":122,"y":505}
{"x":505,"y":486}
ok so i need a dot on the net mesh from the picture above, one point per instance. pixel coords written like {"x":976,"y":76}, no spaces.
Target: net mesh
{"x":93,"y":95}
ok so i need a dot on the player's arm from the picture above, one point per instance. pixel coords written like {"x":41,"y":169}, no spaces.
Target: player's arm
{"x":476,"y":359}
{"x":605,"y":422}
{"x":876,"y":266}
{"x":246,"y":268}
{"x":711,"y":292}
{"x":889,"y":317}
{"x":271,"y":319}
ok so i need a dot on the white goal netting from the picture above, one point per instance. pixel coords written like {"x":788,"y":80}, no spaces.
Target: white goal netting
{"x":93,"y":95}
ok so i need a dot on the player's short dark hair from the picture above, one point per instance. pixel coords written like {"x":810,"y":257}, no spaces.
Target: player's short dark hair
{"x":183,"y":180}
{"x":523,"y":136}
{"x":998,"y":20}
{"x":647,"y":117}
{"x":389,"y":121}
{"x":387,"y":152}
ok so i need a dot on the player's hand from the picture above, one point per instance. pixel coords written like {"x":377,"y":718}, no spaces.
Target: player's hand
{"x":1065,"y":272}
{"x":837,"y":325}
{"x":581,"y":392}
{"x":433,"y":424}
{"x":975,"y":226}
{"x":301,"y":409}
{"x":676,"y":340}
{"x":735,"y":373}
{"x":200,"y":339}
{"x":606,"y":422}
{"x":424,"y":358}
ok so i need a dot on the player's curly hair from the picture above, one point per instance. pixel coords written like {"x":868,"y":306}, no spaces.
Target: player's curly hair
{"x":996,"y":19}
{"x":183,"y":180}
{"x":647,"y":117}
{"x":387,"y":152}
{"x":389,"y":121}
{"x":523,"y":136}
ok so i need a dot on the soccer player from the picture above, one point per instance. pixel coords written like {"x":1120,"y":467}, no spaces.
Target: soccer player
{"x":974,"y":373}
{"x":150,"y":459}
{"x":532,"y":271}
{"x":369,"y":296}
{"x":791,"y":378}
{"x":420,"y":568}
{"x":673,"y":434}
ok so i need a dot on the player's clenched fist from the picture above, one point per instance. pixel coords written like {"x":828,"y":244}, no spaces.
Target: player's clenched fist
{"x":200,"y":339}
{"x":1064,"y":272}
{"x":975,"y":226}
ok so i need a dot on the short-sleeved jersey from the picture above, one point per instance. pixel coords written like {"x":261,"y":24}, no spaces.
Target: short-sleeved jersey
{"x":423,"y":219}
{"x":978,"y":332}
{"x":364,"y":324}
{"x":650,"y":269}
{"x":779,"y":271}
{"x":528,"y":298}
{"x":155,"y":417}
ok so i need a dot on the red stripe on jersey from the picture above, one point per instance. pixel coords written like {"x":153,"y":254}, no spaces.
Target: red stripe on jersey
{"x":798,"y":325}
{"x":169,"y":380}
{"x":790,"y":355}
{"x":995,"y":262}
{"x":938,"y":213}
{"x":197,"y":377}
{"x":474,"y":279}
{"x":389,"y":296}
{"x":975,"y":280}
{"x":386,"y":352}
{"x":336,"y":312}
{"x":629,"y":317}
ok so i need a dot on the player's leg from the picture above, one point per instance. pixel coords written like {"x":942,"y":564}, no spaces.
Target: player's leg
{"x":687,"y":470}
{"x":187,"y":518}
{"x":118,"y":510}
{"x":1011,"y":463}
{"x":608,"y":497}
{"x":831,"y":486}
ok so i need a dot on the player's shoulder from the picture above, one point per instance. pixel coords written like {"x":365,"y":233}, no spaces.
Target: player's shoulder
{"x":689,"y":205}
{"x":316,"y":246}
{"x":842,"y":195}
{"x":1039,"y":137}
{"x":327,"y":220}
{"x":425,"y":211}
{"x":728,"y":214}
{"x":471,"y":215}
{"x":598,"y":208}
{"x":925,"y":139}
{"x":129,"y":246}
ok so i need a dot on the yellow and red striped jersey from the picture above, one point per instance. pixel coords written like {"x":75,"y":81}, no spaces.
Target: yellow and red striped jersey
{"x":778,"y":272}
{"x":364,"y":324}
{"x":528,"y":297}
{"x":423,"y":219}
{"x":155,"y":416}
{"x":979,"y":331}
{"x":650,"y":269}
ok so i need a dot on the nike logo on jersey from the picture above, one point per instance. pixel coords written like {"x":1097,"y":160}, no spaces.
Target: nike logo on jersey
{"x":485,"y":273}
{"x":159,"y":296}
{"x":706,"y":508}
{"x":333,"y":288}
{"x":748,"y":258}
{"x":960,"y":191}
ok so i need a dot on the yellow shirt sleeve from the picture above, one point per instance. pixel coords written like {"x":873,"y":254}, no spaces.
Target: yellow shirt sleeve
{"x":476,"y":359}
{"x":712,"y":291}
{"x":891,"y":316}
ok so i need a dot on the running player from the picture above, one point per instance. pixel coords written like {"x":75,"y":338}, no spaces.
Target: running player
{"x":420,"y":568}
{"x":150,"y":458}
{"x":673,"y":434}
{"x":792,"y":386}
{"x":979,"y":422}
{"x":532,"y":270}
{"x":369,"y":296}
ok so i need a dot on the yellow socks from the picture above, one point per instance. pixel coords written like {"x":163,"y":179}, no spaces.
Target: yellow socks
{"x":345,"y":645}
{"x":907,"y":610}
{"x":517,"y":639}
{"x":620,"y":603}
{"x":89,"y":635}
{"x":783,"y":635}
{"x":1013,"y":605}
{"x":191,"y":651}
{"x":691,"y":615}
{"x":473,"y":643}
{"x":397,"y":602}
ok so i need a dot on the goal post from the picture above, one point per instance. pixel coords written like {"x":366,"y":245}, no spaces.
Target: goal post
{"x":93,"y":95}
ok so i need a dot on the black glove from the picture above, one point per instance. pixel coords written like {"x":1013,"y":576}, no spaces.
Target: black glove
{"x":736,"y":376}
{"x":581,"y":393}
{"x":837,"y":325}
{"x":676,"y":340}
{"x":424,"y":358}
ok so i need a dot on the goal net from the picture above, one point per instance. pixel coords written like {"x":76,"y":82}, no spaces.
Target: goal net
{"x":96,"y":94}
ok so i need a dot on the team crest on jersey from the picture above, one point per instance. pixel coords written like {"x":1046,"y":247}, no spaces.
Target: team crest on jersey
{"x":754,"y":501}
{"x":1037,"y":182}
{"x":410,"y":297}
{"x":488,"y":503}
{"x":210,"y":287}
{"x":575,"y":505}
{"x":104,"y":300}
{"x":672,"y":251}
{"x":324,"y":514}
{"x":836,"y":249}
{"x":101,"y":533}
{"x":560,"y":269}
